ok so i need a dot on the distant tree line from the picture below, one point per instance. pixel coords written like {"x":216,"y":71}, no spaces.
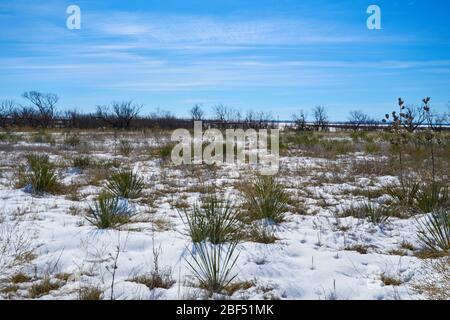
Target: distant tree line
{"x":415,"y":117}
{"x":41,"y":110}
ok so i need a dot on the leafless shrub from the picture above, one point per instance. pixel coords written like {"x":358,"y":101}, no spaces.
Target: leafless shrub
{"x":16,"y":245}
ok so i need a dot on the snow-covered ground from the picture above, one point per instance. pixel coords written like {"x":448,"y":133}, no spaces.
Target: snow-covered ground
{"x":312,"y":258}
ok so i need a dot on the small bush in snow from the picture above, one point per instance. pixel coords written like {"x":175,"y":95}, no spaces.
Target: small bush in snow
{"x":212,"y":265}
{"x":214,"y":219}
{"x":81,"y":162}
{"x":72,"y":139}
{"x":109,"y":212}
{"x":125,"y":184}
{"x":125,"y":148}
{"x":432,"y":197}
{"x":265,"y":198}
{"x":39,"y":175}
{"x":434,"y":231}
{"x":376,"y":214}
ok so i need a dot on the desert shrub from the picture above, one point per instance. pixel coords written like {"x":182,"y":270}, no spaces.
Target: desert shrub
{"x":125,"y":148}
{"x":213,"y":219}
{"x":406,"y":193}
{"x":10,"y":137}
{"x":301,"y":139}
{"x":39,"y":175}
{"x":212,"y":265}
{"x":434,"y":231}
{"x":42,"y":288}
{"x":81,"y":162}
{"x":109,"y":212}
{"x":265,"y":198}
{"x":165,"y":151}
{"x":336,"y":147}
{"x":71,"y":139}
{"x":125,"y":184}
{"x":42,"y":137}
{"x":371,"y":148}
{"x":376,"y":214}
{"x":90,"y":293}
{"x":432,"y":196}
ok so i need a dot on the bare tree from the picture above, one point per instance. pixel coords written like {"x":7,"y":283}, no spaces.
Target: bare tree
{"x":320,"y":117}
{"x":197,"y":113}
{"x":300,"y":120}
{"x":45,"y":104}
{"x":6,"y":110}
{"x":358,"y":118}
{"x":120,"y":114}
{"x":125,"y":112}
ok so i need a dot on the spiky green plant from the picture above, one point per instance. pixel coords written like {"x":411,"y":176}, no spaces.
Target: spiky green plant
{"x":433,"y":196}
{"x":434,"y":231}
{"x":212,"y":265}
{"x":109,"y":212}
{"x":376,"y":214}
{"x":406,"y":193}
{"x":213,"y":219}
{"x":82,"y":162}
{"x":40,"y":174}
{"x":125,"y":184}
{"x":265,"y":198}
{"x":72,"y":139}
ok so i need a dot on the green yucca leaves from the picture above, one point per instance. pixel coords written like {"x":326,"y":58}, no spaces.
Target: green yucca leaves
{"x":434,"y":231}
{"x":125,"y":184}
{"x":432,"y":197}
{"x":40,"y":174}
{"x":213,"y":219}
{"x":266,"y":199}
{"x":212,"y":265}
{"x":376,"y":214}
{"x":109,"y":212}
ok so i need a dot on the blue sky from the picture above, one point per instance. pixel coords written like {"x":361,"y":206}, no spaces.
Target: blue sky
{"x":271,"y":55}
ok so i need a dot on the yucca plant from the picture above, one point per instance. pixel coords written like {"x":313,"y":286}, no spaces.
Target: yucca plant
{"x":406,"y":193}
{"x":434,"y":231}
{"x":212,"y":265}
{"x":125,"y":184}
{"x":433,"y":196}
{"x":213,"y":219}
{"x":265,"y":198}
{"x":376,"y":214}
{"x":82,"y":162}
{"x":109,"y":212}
{"x":40,"y":174}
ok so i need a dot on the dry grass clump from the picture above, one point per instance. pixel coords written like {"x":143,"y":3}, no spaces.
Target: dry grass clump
{"x":90,"y":293}
{"x":44,"y":287}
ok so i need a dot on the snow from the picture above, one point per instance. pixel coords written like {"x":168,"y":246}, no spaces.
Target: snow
{"x":309,"y":261}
